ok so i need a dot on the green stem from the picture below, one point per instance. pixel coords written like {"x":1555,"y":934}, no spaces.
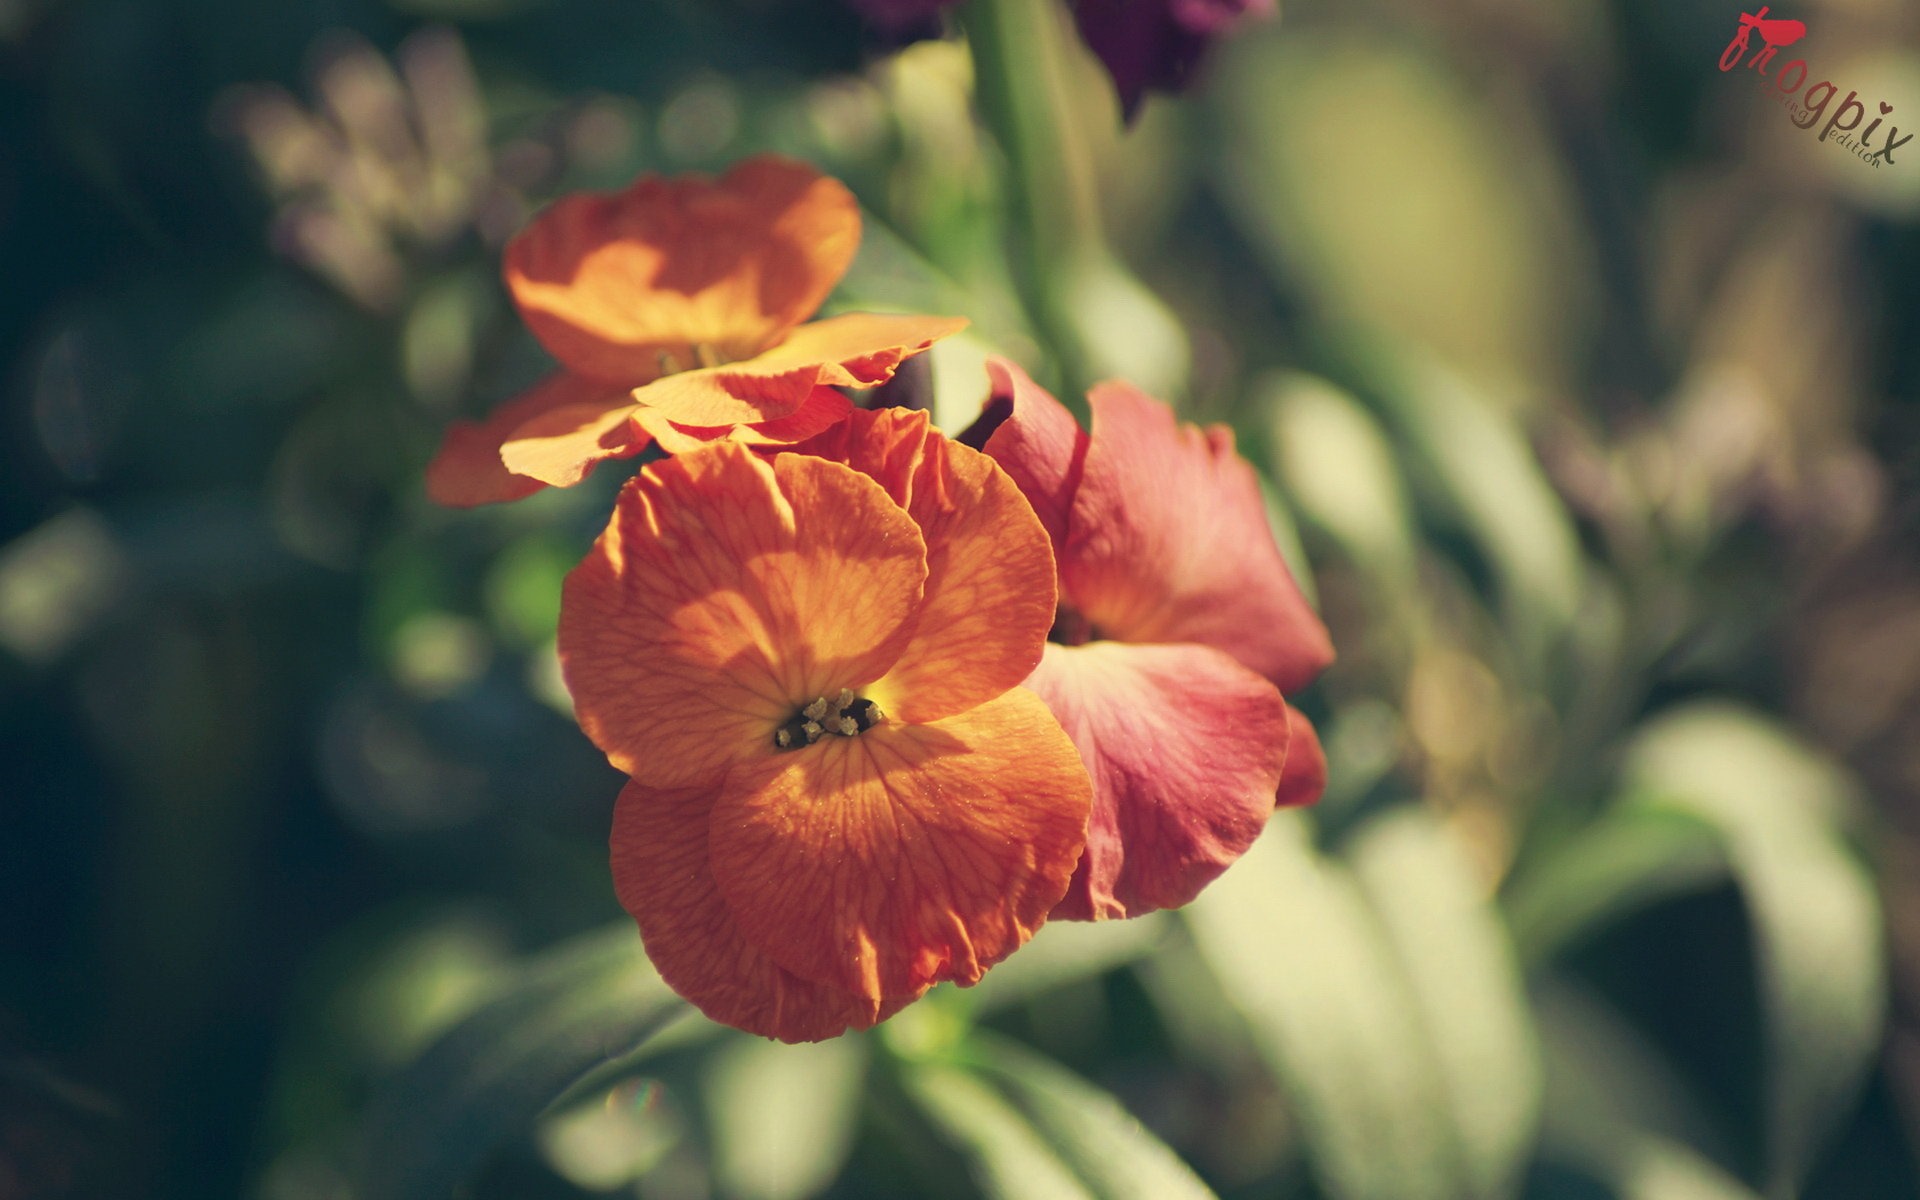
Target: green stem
{"x":1098,"y":320}
{"x":1019,"y":48}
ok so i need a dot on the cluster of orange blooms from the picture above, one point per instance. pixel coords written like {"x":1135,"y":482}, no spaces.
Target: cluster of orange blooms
{"x":888,"y":700}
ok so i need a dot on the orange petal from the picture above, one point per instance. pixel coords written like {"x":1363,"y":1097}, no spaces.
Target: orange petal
{"x":725,"y":594}
{"x":822,"y":410}
{"x":468,"y":470}
{"x":559,"y":448}
{"x":1305,"y":776}
{"x":909,"y":854}
{"x":611,"y":281}
{"x":854,"y":350}
{"x":1168,"y":542}
{"x":1185,"y":747}
{"x":990,"y":579}
{"x":660,"y":873}
{"x":1035,"y":440}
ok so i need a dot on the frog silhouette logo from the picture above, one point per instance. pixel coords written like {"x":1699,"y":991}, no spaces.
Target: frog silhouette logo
{"x":1807,"y":108}
{"x":1775,"y":33}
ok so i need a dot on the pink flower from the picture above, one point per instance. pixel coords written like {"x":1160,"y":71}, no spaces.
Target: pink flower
{"x":1179,"y":628}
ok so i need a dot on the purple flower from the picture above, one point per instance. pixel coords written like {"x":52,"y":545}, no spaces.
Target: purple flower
{"x":1145,"y":44}
{"x":1157,"y":43}
{"x":904,"y":20}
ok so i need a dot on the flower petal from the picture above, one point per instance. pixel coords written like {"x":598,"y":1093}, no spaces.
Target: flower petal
{"x":610,"y":281}
{"x":1185,"y":747}
{"x":1305,"y":776}
{"x":560,"y":447}
{"x":1035,"y":440}
{"x":1168,"y":542}
{"x":823,"y":409}
{"x":990,"y":580}
{"x":907,"y":855}
{"x":661,"y":875}
{"x":468,"y":469}
{"x":725,"y":594}
{"x":853,"y":350}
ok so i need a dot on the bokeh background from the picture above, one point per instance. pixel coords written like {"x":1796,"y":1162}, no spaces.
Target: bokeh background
{"x":1588,"y":388}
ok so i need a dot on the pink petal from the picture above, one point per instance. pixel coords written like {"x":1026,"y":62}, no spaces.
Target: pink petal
{"x":1185,"y":747}
{"x":1035,"y":440}
{"x":1168,"y":541}
{"x":1305,"y":776}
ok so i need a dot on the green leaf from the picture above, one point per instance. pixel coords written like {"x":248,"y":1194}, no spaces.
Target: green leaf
{"x":485,"y":1080}
{"x":1627,"y":859}
{"x":1484,"y":469}
{"x":1650,"y":1168}
{"x":1617,"y":1110}
{"x":1483,"y":262}
{"x":1816,"y":917}
{"x":522,"y":587}
{"x":1119,"y":327}
{"x":1065,"y":952}
{"x":890,"y":275}
{"x":1466,"y":987}
{"x":1009,"y":1158}
{"x":1298,"y":949}
{"x":1286,"y":535}
{"x":59,"y":581}
{"x":1338,"y":467}
{"x":783,"y":1116}
{"x":1103,"y":1143}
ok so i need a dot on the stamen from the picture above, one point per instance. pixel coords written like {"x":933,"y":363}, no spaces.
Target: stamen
{"x":796,"y":733}
{"x":863,"y":714}
{"x":704,"y":355}
{"x":668,"y":364}
{"x":847,"y":715}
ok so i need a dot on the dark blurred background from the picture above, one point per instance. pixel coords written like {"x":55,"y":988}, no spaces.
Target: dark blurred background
{"x":1589,"y":385}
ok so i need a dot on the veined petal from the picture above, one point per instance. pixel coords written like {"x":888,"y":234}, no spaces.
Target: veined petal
{"x":821,"y":410}
{"x":560,"y":447}
{"x":468,"y":469}
{"x":611,"y":281}
{"x":910,"y":854}
{"x":1035,"y":440}
{"x":661,"y":875}
{"x":854,"y":350}
{"x":1305,"y":776}
{"x":725,"y":594}
{"x":990,"y":593}
{"x":1168,"y":542}
{"x":1185,"y":747}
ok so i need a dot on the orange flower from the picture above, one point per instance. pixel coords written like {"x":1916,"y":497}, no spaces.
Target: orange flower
{"x":809,"y":665}
{"x":1179,"y":629}
{"x":674,"y":308}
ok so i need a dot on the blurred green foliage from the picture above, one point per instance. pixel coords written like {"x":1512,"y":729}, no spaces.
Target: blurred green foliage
{"x":1589,"y":391}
